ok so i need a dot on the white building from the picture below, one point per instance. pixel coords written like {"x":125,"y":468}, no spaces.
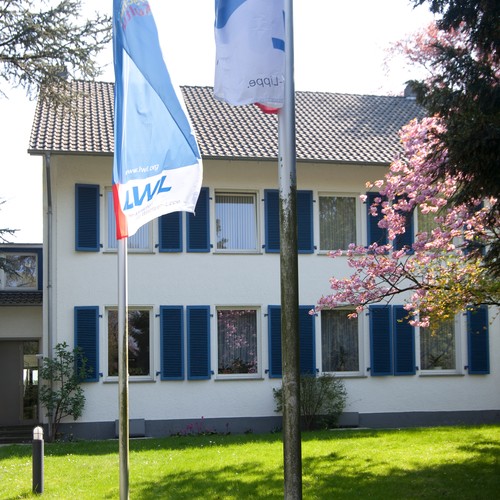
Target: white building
{"x":204,"y":290}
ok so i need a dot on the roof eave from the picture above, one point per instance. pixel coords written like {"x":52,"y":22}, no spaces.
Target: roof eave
{"x":43,"y":152}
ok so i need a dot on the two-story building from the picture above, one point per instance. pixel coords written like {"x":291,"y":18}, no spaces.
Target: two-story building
{"x":204,"y":289}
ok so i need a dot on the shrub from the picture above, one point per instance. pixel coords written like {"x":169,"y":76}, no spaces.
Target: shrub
{"x":322,"y":400}
{"x":62,"y":395}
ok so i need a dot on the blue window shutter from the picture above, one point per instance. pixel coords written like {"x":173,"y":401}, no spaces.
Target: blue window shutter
{"x":307,"y":345}
{"x":478,"y":341}
{"x":198,"y":340}
{"x":380,"y":340}
{"x":305,"y":242}
{"x":274,"y":331}
{"x":405,"y":239}
{"x":170,"y":232}
{"x":87,"y":217}
{"x":87,"y":338}
{"x":198,"y":225}
{"x":171,"y":342}
{"x":272,"y":216}
{"x":404,"y":343}
{"x":305,"y":222}
{"x":375,"y":234}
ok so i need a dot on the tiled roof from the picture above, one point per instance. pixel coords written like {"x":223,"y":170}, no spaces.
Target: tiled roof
{"x":21,"y":298}
{"x":87,"y":128}
{"x":329,"y":127}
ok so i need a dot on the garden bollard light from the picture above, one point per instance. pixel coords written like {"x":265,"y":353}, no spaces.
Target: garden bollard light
{"x":38,"y":460}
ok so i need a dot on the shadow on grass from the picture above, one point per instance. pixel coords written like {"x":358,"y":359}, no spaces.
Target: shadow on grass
{"x":477,"y":478}
{"x":229,"y":482}
{"x":329,"y":477}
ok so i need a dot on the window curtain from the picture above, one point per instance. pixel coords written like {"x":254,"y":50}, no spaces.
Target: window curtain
{"x":138,"y":342}
{"x":437,"y":347}
{"x":236,"y":221}
{"x":337,"y":222}
{"x":237,"y":341}
{"x":340,"y":350}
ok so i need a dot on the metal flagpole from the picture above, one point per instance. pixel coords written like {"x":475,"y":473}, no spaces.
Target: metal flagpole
{"x":289,"y":275}
{"x":123,"y":435}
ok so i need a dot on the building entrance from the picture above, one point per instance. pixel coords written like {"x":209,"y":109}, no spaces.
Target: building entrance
{"x":18,"y":382}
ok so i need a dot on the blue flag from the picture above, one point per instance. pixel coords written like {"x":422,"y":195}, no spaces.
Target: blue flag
{"x":157,"y":164}
{"x":250,"y":52}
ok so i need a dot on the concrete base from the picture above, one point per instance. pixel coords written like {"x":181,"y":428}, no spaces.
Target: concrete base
{"x":259,"y":425}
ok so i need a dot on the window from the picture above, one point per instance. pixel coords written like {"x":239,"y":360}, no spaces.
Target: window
{"x":139,"y":342}
{"x":236,"y":221}
{"x":441,"y":347}
{"x":237,"y":341}
{"x":337,"y":222}
{"x":426,"y":222}
{"x":339,"y":342}
{"x":20,"y":271}
{"x":438,"y":347}
{"x":140,"y":241}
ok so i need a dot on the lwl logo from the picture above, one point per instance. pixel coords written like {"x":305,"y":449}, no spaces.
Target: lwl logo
{"x":134,"y":198}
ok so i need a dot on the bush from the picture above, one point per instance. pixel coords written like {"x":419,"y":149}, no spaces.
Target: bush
{"x":322,"y":400}
{"x":62,"y":395}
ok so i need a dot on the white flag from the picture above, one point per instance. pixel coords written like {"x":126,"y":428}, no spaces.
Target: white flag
{"x":250,"y":52}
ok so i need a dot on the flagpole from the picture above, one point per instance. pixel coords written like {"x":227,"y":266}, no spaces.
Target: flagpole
{"x":289,"y":274}
{"x":123,"y":434}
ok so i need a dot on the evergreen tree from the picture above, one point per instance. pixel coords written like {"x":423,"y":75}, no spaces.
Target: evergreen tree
{"x":44,"y":43}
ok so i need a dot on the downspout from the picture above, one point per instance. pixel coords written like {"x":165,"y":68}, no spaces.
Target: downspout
{"x":49,"y":267}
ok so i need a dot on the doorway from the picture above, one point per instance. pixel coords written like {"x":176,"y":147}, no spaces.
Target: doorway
{"x":19,"y":386}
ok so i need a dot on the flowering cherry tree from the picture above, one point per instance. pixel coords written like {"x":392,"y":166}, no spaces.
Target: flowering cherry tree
{"x":442,"y":272}
{"x":460,"y":53}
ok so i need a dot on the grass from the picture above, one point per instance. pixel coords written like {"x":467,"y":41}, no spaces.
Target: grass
{"x":425,"y":463}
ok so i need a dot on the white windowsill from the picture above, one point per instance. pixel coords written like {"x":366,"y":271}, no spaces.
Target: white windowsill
{"x":440,"y":373}
{"x":132,"y":380}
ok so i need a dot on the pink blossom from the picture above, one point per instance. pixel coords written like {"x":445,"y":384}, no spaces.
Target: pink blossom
{"x":440,"y":276}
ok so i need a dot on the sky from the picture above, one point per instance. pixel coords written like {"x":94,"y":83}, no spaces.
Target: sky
{"x":339,"y":46}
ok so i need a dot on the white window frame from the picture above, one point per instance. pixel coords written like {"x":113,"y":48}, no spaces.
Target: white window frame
{"x":215,"y":346}
{"x":230,"y":192}
{"x":460,"y":330}
{"x":429,"y":216}
{"x":109,"y":213}
{"x":358,"y":221}
{"x":105,"y":348}
{"x":3,"y":274}
{"x":361,"y":346}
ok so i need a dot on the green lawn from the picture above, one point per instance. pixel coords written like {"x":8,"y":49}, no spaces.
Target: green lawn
{"x":433,"y":463}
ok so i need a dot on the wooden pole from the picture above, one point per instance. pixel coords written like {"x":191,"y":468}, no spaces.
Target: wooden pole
{"x":292,"y":448}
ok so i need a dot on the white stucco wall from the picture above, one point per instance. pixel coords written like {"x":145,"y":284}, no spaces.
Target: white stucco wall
{"x":86,"y":278}
{"x":20,"y":322}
